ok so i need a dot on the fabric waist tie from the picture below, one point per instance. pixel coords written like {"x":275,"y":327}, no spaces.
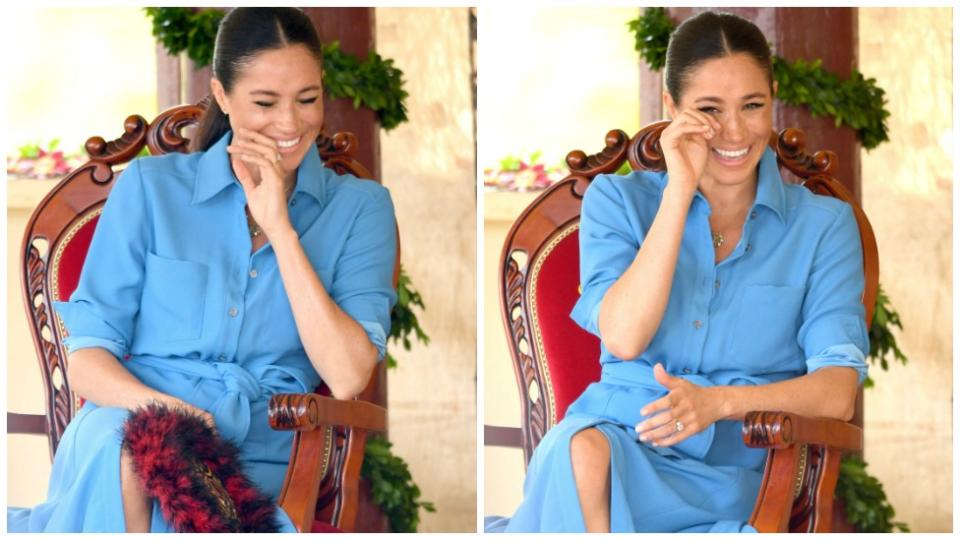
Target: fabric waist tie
{"x":242,"y":386}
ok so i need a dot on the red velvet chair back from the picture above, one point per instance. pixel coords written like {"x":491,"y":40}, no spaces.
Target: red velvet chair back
{"x":554,"y":359}
{"x":55,"y":244}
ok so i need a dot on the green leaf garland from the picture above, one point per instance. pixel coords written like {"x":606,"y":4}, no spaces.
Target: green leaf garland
{"x":392,"y":486}
{"x":856,"y":102}
{"x":867,"y":507}
{"x":373,"y":83}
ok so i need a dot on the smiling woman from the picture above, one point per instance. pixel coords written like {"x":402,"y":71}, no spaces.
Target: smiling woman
{"x":716,"y":289}
{"x":184,"y":296}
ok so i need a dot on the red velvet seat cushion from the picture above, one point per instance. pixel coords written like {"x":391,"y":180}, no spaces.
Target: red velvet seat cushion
{"x":572,"y":354}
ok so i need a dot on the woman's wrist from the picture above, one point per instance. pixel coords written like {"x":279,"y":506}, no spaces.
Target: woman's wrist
{"x":680,"y":191}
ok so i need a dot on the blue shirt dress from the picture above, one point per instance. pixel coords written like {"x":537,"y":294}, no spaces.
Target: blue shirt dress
{"x":170,"y":286}
{"x":786,"y":302}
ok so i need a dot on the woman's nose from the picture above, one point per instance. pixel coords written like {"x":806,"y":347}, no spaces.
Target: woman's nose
{"x":732,"y":127}
{"x":288,"y":118}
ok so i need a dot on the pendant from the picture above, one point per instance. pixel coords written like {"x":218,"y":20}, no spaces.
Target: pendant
{"x":718,"y":239}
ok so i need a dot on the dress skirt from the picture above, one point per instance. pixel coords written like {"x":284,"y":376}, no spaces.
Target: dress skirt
{"x":84,"y":490}
{"x":707,"y":483}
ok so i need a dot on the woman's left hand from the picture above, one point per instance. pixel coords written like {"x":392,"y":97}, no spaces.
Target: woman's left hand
{"x":256,"y":161}
{"x":695,"y":407}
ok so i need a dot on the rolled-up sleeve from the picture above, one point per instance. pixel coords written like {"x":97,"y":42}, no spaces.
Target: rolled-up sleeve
{"x":102,"y":310}
{"x":834,"y":331}
{"x":363,"y":280}
{"x":608,"y":245}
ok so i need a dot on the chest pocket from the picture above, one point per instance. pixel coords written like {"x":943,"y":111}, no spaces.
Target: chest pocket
{"x":764,"y":336}
{"x":173,"y":300}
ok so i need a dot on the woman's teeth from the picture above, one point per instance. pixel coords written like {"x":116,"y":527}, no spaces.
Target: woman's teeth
{"x":288,"y":144}
{"x":731,"y":154}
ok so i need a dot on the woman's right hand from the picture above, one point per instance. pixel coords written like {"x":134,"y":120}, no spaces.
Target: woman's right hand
{"x":685,"y":148}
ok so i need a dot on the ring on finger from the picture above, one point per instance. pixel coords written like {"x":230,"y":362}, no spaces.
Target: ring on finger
{"x":679,"y":425}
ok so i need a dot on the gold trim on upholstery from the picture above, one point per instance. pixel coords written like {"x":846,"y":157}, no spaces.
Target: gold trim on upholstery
{"x":53,"y":275}
{"x":551,"y":419}
{"x":801,"y":471}
{"x":327,"y":450}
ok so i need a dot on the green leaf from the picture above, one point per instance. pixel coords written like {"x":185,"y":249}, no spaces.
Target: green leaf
{"x":392,"y":487}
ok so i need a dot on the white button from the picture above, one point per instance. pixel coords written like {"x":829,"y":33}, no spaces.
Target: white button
{"x":716,"y":283}
{"x":253,"y":273}
{"x":686,"y":370}
{"x":233,"y":312}
{"x":697,"y":324}
{"x":753,"y":215}
{"x":222,"y":358}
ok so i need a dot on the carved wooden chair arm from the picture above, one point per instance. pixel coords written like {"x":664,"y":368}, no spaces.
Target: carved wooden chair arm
{"x":304,"y":412}
{"x":801,"y":471}
{"x":308,"y":415}
{"x":774,"y":429}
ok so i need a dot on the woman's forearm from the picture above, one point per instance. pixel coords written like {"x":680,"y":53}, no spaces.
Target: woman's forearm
{"x":96,"y":375}
{"x":829,"y":392}
{"x":337,"y":346}
{"x":633,"y":307}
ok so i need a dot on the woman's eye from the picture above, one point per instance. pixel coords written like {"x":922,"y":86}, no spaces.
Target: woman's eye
{"x":751,"y":106}
{"x":264,"y":104}
{"x":308,"y":101}
{"x":709,"y":110}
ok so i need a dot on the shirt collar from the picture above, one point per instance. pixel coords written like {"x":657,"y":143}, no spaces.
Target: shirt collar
{"x":770,"y":190}
{"x":214,"y":173}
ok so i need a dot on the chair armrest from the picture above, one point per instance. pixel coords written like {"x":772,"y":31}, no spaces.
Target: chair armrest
{"x":35,"y":424}
{"x":777,"y":429}
{"x":787,"y":472}
{"x":307,"y":415}
{"x":305,"y":412}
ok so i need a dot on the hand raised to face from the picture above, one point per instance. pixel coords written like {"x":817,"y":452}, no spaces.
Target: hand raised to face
{"x":256,"y":162}
{"x":685,"y":147}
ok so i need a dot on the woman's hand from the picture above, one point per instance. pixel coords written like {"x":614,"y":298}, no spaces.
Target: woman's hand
{"x":696,"y":407}
{"x":685,"y":149}
{"x":256,"y":161}
{"x":186,"y":408}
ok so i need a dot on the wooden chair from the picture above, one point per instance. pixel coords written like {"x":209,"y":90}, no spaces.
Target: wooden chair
{"x":321,"y":491}
{"x":554,"y":359}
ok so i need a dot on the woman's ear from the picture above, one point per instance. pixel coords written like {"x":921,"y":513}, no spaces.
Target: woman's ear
{"x":669,"y":105}
{"x":219,"y":94}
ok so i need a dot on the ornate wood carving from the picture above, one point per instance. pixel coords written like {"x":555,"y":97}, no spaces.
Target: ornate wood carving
{"x":768,"y":429}
{"x":166,"y":131}
{"x":104,"y":155}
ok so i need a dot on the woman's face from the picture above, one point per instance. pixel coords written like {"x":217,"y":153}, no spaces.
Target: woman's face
{"x":278,"y":94}
{"x":736,"y":92}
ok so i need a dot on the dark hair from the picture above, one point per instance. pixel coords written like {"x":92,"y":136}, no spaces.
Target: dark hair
{"x":243,"y":34}
{"x":711,"y":35}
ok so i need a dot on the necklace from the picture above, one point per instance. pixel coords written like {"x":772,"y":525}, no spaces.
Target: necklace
{"x":718,"y":239}
{"x":252,"y":226}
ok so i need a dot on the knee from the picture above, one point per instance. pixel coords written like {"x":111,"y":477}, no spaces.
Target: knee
{"x":589,"y":451}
